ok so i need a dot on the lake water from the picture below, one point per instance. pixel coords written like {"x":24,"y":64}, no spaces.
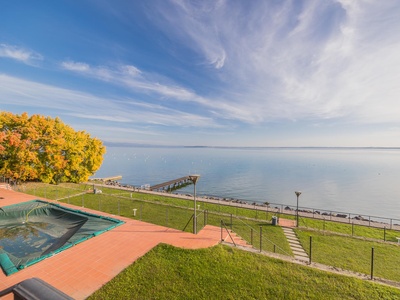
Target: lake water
{"x":356,"y":180}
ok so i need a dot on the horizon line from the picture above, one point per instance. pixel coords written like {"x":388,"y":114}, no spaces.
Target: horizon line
{"x":133,"y":145}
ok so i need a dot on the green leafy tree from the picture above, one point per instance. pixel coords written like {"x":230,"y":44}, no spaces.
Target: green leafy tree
{"x":46,"y":149}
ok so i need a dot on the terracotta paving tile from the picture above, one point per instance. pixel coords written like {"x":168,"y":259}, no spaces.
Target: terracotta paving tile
{"x":286,"y":222}
{"x":82,"y":269}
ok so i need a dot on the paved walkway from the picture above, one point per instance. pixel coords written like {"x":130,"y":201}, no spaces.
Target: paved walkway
{"x":81,"y":270}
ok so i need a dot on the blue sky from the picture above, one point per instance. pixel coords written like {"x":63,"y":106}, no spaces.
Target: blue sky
{"x":213,"y":73}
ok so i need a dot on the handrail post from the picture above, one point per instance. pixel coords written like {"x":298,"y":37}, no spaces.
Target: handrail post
{"x":221,"y":233}
{"x":372,"y":263}
{"x":384,"y":233}
{"x":166,"y":216}
{"x":260,"y":238}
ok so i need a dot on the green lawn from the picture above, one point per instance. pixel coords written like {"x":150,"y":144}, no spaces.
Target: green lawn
{"x":353,"y":253}
{"x":222,"y":272}
{"x":333,"y":243}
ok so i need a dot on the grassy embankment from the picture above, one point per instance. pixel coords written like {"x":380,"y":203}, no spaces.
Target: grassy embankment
{"x":330,"y":246}
{"x":222,"y":272}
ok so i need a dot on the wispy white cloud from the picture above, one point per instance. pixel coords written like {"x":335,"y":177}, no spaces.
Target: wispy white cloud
{"x":294,"y":59}
{"x":20,"y":54}
{"x":75,"y":66}
{"x":131,"y":77}
{"x":194,"y":25}
{"x":139,"y":81}
{"x":24,"y":93}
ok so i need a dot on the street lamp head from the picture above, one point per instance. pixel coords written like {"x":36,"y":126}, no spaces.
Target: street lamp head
{"x":298,"y":193}
{"x":193,"y":178}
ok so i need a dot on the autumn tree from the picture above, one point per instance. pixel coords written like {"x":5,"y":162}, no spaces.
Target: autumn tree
{"x":45,"y":149}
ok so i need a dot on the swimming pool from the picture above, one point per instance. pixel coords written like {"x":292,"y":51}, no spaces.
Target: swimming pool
{"x":34,"y":230}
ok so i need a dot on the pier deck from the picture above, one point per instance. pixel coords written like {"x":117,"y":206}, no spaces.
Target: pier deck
{"x":170,"y":183}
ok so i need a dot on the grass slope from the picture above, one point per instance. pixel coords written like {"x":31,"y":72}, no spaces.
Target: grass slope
{"x":222,"y":272}
{"x":352,"y":253}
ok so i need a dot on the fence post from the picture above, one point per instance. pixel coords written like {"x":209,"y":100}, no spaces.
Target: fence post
{"x":231,"y":223}
{"x":251,"y":236}
{"x":83,"y":201}
{"x":324,"y":225}
{"x":118,"y":208}
{"x":310,"y":249}
{"x":372,"y":263}
{"x":260,"y":238}
{"x":141,"y":209}
{"x":274,"y":248}
{"x":166,"y":216}
{"x":222,"y":239}
{"x":352,"y":229}
{"x":384,"y":233}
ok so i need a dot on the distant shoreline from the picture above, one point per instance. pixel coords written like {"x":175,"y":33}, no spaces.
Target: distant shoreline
{"x":133,"y":145}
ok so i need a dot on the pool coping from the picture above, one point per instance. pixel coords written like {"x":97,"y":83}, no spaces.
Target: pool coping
{"x":85,"y":267}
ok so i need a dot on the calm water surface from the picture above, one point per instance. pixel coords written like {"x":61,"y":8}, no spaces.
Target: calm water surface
{"x":365,"y":181}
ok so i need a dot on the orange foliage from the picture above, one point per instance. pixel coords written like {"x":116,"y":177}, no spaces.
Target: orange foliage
{"x":45,"y":149}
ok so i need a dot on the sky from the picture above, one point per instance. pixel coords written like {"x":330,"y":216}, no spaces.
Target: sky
{"x":260,"y":73}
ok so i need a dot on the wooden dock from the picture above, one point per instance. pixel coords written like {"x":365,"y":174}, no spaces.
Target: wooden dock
{"x":172,"y":184}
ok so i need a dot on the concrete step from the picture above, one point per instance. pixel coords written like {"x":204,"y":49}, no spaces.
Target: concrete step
{"x":296,"y":246}
{"x":299,"y":252}
{"x":301,"y":258}
{"x":291,"y":236}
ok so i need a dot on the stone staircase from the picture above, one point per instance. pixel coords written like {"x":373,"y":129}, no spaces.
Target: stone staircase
{"x":233,"y":237}
{"x":295,"y":245}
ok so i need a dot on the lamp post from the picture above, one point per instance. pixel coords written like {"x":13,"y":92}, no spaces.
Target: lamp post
{"x":194,"y":178}
{"x":298,"y":193}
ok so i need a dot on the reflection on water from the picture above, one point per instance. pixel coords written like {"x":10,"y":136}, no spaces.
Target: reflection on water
{"x":23,"y":239}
